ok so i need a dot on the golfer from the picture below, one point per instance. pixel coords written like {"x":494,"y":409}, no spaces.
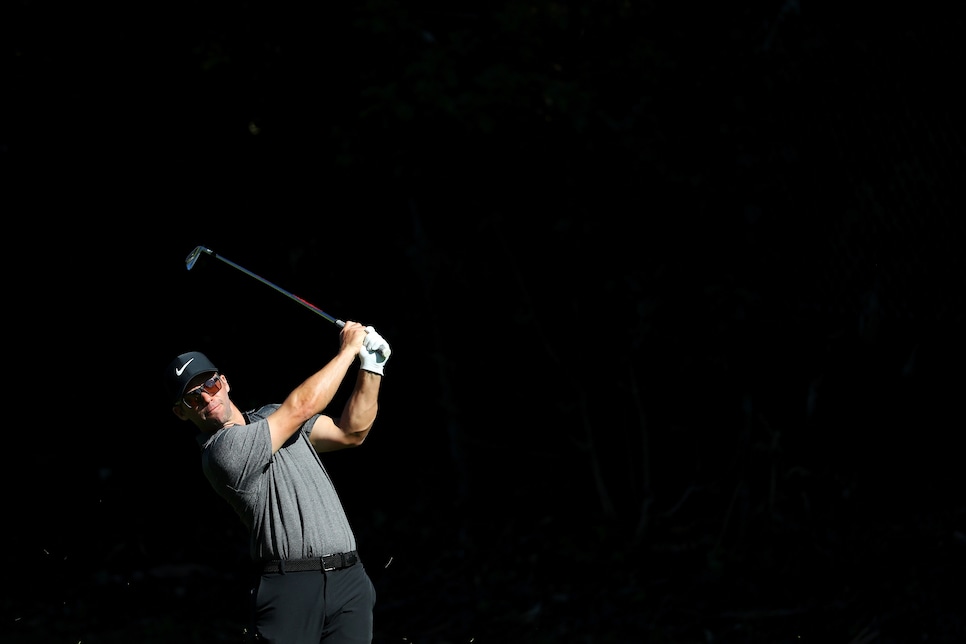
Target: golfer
{"x":265,"y":463}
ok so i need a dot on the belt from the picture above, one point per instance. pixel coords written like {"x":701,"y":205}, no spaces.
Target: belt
{"x":338,"y":561}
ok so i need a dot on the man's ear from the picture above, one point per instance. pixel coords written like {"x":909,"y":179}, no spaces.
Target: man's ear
{"x":178,"y":411}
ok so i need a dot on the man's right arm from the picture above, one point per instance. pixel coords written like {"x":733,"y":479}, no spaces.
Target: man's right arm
{"x":317,"y":391}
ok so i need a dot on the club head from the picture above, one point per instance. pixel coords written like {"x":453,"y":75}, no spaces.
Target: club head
{"x":194,"y":255}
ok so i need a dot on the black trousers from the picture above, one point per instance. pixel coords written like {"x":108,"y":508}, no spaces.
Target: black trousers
{"x":310,"y":607}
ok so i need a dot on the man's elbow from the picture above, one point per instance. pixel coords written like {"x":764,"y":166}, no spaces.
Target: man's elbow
{"x":355,"y":439}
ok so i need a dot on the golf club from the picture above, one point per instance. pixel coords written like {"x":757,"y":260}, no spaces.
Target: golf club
{"x":192,"y":259}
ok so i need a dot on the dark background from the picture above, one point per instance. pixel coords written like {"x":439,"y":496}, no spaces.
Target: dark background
{"x":675,"y":297}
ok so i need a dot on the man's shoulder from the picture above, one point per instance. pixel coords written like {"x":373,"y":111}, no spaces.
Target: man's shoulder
{"x":260,"y":413}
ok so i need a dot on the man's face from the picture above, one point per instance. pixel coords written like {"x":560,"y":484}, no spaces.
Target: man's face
{"x":205,"y":401}
{"x":201,"y":390}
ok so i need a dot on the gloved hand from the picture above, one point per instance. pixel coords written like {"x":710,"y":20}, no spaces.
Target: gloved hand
{"x":374,"y":352}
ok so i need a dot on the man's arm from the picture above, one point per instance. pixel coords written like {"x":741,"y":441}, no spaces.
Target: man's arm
{"x":352,"y":427}
{"x":315,"y":393}
{"x":358,"y":415}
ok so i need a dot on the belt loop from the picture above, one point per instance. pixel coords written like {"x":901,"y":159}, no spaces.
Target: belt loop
{"x":281,"y":566}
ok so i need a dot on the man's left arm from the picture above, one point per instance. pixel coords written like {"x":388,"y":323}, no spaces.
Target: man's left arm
{"x":359,"y":413}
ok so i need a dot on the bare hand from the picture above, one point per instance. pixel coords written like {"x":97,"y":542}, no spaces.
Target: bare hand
{"x":352,"y":336}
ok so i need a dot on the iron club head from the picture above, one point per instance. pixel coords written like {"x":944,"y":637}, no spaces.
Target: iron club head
{"x":194,"y":255}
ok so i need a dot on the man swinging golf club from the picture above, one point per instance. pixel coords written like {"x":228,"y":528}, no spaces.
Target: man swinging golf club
{"x":265,"y":463}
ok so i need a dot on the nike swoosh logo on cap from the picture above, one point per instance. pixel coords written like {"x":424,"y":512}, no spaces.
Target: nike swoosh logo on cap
{"x":180,"y":371}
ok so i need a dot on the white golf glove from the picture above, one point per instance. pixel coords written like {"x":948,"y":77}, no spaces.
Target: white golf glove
{"x":374,"y":352}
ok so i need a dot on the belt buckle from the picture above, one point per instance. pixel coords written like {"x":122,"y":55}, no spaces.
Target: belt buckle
{"x":328,"y":567}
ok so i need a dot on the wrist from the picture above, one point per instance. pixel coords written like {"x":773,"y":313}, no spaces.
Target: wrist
{"x":376,"y":370}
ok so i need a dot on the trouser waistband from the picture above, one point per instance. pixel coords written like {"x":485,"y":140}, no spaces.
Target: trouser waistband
{"x":336,"y":561}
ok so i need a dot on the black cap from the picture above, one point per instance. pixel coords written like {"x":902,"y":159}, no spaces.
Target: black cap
{"x":182,"y":369}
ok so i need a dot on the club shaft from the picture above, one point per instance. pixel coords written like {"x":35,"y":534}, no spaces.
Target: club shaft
{"x":278,"y":288}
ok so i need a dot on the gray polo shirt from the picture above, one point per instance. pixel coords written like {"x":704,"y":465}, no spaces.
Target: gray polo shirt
{"x":286,"y":499}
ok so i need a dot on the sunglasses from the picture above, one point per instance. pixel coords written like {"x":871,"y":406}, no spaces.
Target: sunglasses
{"x":195,"y":400}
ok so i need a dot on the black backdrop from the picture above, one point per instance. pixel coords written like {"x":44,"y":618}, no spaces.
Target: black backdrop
{"x":675,"y":299}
